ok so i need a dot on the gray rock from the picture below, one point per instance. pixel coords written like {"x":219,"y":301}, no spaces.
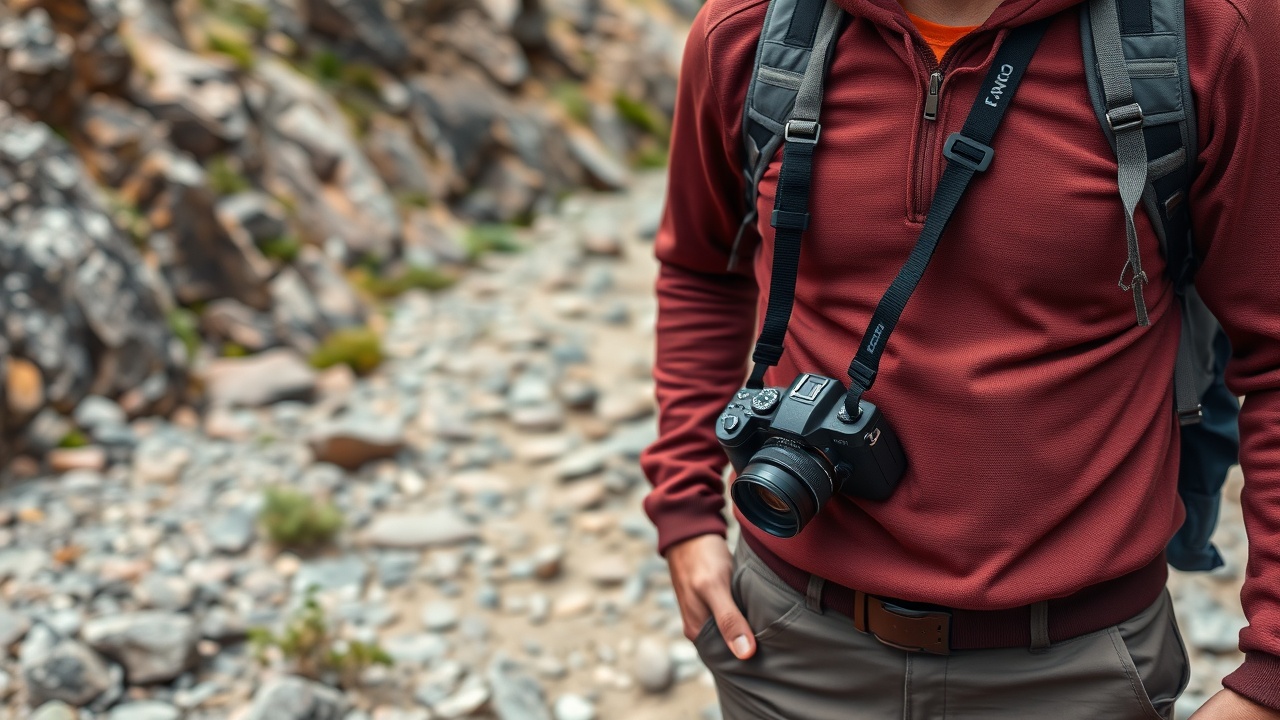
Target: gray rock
{"x":232,"y":532}
{"x":273,"y":376}
{"x":581,"y":463}
{"x":439,"y":616}
{"x":473,"y":36}
{"x":222,"y":625}
{"x":573,"y":707}
{"x":55,"y":668}
{"x":13,"y":626}
{"x":165,"y":592}
{"x":517,"y":695}
{"x":76,"y":297}
{"x":421,"y":530}
{"x":349,"y":208}
{"x":257,"y":215}
{"x":145,"y":710}
{"x":1213,"y":629}
{"x":293,"y":698}
{"x":416,"y":650}
{"x":606,"y":171}
{"x":653,"y":668}
{"x":197,"y":95}
{"x":153,"y":646}
{"x":391,"y":149}
{"x":345,"y":573}
{"x":55,"y":710}
{"x":158,"y":460}
{"x":364,"y":24}
{"x":230,"y":321}
{"x":96,"y":412}
{"x":472,"y":696}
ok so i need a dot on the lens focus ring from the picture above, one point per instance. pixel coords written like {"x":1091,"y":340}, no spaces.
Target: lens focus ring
{"x":799,"y":461}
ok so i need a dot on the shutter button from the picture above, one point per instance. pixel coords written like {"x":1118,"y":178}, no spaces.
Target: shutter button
{"x":730,"y":422}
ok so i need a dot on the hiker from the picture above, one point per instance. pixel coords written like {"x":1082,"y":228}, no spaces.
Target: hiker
{"x":982,"y":249}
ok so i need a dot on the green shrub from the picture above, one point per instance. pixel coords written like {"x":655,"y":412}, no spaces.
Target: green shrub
{"x":483,"y":239}
{"x":233,"y":46}
{"x":225,"y":178}
{"x":574,"y":101}
{"x":296,"y":520}
{"x":309,"y":644}
{"x":73,"y":439}
{"x":284,"y":249}
{"x":358,"y":348}
{"x":651,"y":157}
{"x":641,"y":116}
{"x":240,"y":12}
{"x":413,"y":198}
{"x":234,"y":350}
{"x":413,"y":278}
{"x":184,"y":325}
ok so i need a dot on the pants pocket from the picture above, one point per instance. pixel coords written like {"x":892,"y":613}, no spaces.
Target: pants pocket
{"x":1152,"y":651}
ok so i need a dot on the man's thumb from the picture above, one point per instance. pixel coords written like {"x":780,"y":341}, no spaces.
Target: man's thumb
{"x":733,"y":627}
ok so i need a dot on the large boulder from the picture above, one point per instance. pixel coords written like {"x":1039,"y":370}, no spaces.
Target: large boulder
{"x":78,"y":302}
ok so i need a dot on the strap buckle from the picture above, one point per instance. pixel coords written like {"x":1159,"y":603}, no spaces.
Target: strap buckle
{"x":1191,"y":416}
{"x":802,"y":131}
{"x":1126,"y":117}
{"x":967,"y":152}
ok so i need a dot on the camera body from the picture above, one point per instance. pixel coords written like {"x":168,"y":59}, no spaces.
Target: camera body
{"x":795,"y":447}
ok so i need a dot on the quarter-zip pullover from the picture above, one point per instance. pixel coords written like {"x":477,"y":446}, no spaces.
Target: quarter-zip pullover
{"x":1036,"y":415}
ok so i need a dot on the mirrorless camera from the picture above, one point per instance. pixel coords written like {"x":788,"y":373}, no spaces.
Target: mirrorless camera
{"x":795,"y":447}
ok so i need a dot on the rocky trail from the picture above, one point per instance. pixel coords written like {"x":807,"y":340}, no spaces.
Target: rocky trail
{"x":492,"y":544}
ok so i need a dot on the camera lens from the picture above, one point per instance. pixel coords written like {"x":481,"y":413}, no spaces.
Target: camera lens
{"x":773,"y":501}
{"x":783,"y":487}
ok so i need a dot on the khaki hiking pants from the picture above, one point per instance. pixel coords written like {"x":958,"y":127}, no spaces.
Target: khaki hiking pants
{"x":813,"y":665}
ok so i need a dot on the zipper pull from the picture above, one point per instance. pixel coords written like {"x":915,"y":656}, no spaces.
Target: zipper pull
{"x":931,"y":99}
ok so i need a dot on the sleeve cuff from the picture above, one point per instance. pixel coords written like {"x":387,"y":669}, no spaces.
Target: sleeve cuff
{"x":676,"y":527}
{"x":1258,"y":679}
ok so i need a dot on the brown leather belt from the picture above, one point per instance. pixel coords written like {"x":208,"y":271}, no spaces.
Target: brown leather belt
{"x":920,"y":627}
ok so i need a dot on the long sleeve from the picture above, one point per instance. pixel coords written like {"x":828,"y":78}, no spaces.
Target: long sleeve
{"x":706,"y":313}
{"x":1237,"y":221}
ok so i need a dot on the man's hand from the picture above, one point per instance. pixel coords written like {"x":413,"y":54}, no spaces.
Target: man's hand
{"x":1228,"y":705}
{"x":700,"y":571}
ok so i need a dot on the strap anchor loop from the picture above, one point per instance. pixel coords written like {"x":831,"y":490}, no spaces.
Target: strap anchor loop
{"x":802,"y":131}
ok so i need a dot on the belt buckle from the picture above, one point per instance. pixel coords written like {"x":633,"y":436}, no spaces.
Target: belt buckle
{"x":927,"y":631}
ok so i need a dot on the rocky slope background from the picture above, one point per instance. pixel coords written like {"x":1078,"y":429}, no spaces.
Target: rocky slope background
{"x":183,"y":180}
{"x":320,"y":391}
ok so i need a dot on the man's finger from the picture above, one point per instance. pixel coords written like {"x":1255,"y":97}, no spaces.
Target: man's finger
{"x":733,"y":626}
{"x":694,"y":612}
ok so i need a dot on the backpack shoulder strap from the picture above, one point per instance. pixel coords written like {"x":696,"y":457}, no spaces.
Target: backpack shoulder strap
{"x":788,"y":42}
{"x":1152,"y":40}
{"x":1137,"y":73}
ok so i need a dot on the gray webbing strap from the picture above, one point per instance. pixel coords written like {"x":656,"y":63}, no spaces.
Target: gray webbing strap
{"x":1124,"y":115}
{"x":809,"y":97}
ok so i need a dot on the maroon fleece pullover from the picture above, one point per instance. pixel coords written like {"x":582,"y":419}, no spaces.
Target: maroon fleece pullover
{"x":1036,"y":415}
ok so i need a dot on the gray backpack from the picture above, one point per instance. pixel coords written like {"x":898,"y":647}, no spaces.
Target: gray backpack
{"x":1138,"y":79}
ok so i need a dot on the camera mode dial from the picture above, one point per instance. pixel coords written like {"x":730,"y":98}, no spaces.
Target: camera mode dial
{"x":765,"y":400}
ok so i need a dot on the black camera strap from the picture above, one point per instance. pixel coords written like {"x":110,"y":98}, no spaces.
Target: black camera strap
{"x":968,"y":153}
